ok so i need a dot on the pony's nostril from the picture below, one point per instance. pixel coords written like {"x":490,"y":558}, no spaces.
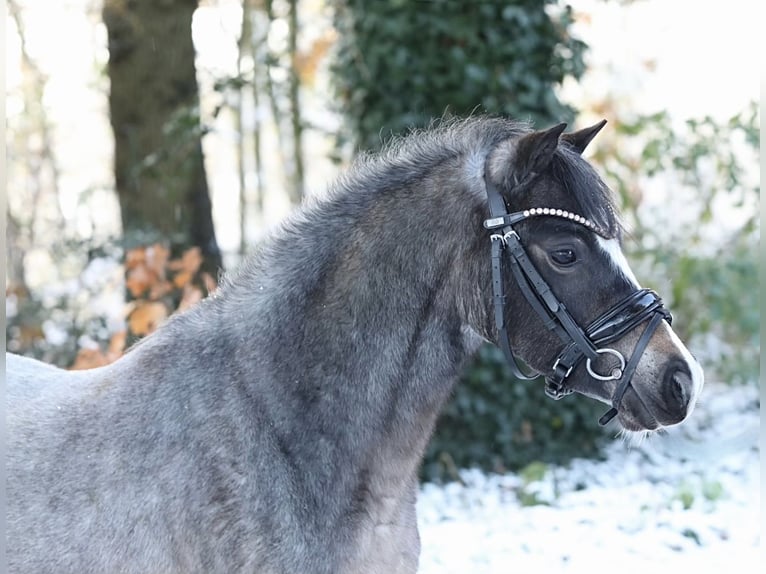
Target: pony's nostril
{"x":677,"y":389}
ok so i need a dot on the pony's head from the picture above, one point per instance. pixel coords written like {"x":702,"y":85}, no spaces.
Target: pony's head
{"x":555,"y":227}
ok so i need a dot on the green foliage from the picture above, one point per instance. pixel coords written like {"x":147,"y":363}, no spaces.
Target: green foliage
{"x":498,"y":423}
{"x":701,"y":247}
{"x":399,"y":64}
{"x":31,"y":316}
{"x":712,"y":158}
{"x":712,"y":490}
{"x":686,"y":495}
{"x":52,"y":323}
{"x":531,"y":474}
{"x":717,"y":296}
{"x":703,"y":493}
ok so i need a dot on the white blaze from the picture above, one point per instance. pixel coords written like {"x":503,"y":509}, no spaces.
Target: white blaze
{"x":613,"y":249}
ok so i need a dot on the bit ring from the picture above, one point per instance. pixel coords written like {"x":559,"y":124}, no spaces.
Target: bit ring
{"x":616,"y":372}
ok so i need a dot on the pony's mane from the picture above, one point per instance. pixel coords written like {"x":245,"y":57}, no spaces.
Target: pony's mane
{"x":417,"y":152}
{"x":403,"y":161}
{"x":407,"y":157}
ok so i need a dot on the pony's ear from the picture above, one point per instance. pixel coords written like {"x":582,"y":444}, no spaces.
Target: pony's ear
{"x":535,"y":150}
{"x":580,"y":139}
{"x":523,"y":158}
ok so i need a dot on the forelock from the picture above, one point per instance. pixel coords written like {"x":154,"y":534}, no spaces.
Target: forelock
{"x":594,"y":198}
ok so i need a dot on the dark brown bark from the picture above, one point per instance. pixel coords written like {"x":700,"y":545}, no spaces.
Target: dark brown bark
{"x":154,"y":107}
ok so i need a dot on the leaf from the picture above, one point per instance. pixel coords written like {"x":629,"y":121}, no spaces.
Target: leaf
{"x":182,"y":279}
{"x":157,"y":256}
{"x":307,"y":63}
{"x":135,"y":257}
{"x":146,"y":269}
{"x":159,"y":290}
{"x":117,"y":344}
{"x":89,"y":359}
{"x":190,"y":261}
{"x":138,"y":280}
{"x":146,"y":317}
{"x":192,"y":295}
{"x":210,"y":283}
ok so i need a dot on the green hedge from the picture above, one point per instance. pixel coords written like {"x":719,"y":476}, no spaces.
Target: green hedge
{"x":499,"y":423}
{"x":398,"y":63}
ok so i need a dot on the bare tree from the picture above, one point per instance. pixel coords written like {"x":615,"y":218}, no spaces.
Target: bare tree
{"x":285,"y":102}
{"x":154,"y":109}
{"x":31,"y":145}
{"x":297,"y":187}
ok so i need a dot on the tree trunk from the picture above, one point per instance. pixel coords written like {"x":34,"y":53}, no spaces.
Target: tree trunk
{"x":154,"y":107}
{"x":296,"y":188}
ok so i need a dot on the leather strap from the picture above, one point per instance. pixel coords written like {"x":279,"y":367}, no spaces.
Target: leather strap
{"x":498,"y":296}
{"x":630,"y":368}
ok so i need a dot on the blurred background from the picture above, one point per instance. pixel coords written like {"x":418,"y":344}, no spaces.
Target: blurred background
{"x":152,"y":143}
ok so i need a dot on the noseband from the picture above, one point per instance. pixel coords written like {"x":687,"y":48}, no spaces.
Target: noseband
{"x":579,"y":343}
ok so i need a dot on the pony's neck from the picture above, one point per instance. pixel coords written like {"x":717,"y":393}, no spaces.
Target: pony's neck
{"x":366,"y":326}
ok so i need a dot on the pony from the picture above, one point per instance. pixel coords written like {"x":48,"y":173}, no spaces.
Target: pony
{"x":278,"y":425}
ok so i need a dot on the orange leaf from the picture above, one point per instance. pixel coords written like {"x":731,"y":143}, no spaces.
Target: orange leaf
{"x":135,"y":257}
{"x":146,"y":317}
{"x":89,"y":359}
{"x":182,"y":279}
{"x":209,"y":282}
{"x":190,"y":261}
{"x":159,"y":290}
{"x":117,"y":343}
{"x":157,"y":256}
{"x":307,"y":63}
{"x":138,"y":280}
{"x":191,"y":296}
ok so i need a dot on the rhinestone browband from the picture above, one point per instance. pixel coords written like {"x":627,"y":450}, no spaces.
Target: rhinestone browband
{"x":536,"y":211}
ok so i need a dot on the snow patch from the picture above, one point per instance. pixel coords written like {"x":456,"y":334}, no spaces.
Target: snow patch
{"x":687,"y":499}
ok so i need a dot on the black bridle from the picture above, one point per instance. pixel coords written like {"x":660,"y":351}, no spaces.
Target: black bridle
{"x":579,"y":343}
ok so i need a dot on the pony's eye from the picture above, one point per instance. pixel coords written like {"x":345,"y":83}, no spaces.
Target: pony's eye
{"x":563,"y":257}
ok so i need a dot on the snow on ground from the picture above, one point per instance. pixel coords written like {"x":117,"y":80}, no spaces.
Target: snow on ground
{"x":684,"y":501}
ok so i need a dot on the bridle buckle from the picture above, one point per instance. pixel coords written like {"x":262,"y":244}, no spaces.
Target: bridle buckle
{"x":569,"y":370}
{"x":504,"y":237}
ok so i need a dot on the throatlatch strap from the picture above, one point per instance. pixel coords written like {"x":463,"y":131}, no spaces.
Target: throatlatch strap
{"x":498,"y":295}
{"x":498,"y":292}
